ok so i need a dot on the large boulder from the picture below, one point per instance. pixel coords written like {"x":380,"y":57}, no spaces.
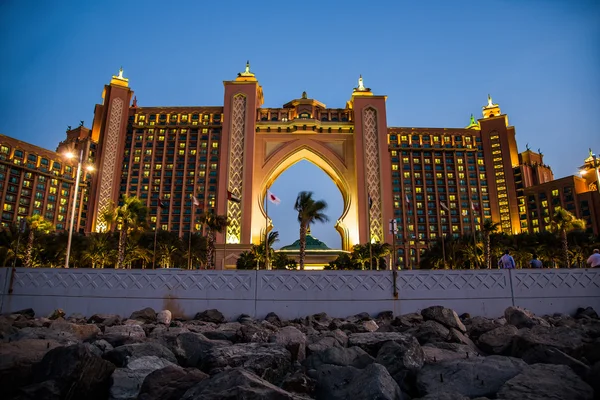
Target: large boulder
{"x":482,"y":376}
{"x":122,"y":355}
{"x":351,"y":356}
{"x":170,"y":383}
{"x":269,"y":361}
{"x":477,"y":326}
{"x":147,"y":315}
{"x":293,"y":340}
{"x":105,"y":319}
{"x":498,"y":340}
{"x":126,"y":382}
{"x":430,"y":332}
{"x":440,"y":351}
{"x":542,"y":382}
{"x":73,"y":372}
{"x":371,"y":342}
{"x":118,"y":335}
{"x":567,"y":340}
{"x":522,"y":318}
{"x":83,"y":332}
{"x":325,"y":340}
{"x":210,"y":316}
{"x":237,"y":383}
{"x":549,"y":355}
{"x":63,"y":337}
{"x":164,"y":317}
{"x":191,"y":348}
{"x":403,"y":362}
{"x":342,"y":383}
{"x":17,"y":360}
{"x":444,"y":316}
{"x":299,"y":383}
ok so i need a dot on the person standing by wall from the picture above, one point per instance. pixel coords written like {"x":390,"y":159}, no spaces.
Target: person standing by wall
{"x":506,"y":261}
{"x":535,"y":263}
{"x":594,"y":259}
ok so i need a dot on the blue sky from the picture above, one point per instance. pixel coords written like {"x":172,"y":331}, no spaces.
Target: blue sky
{"x":436,"y":61}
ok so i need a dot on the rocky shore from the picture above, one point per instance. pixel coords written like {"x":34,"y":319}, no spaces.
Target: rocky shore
{"x":432,"y":355}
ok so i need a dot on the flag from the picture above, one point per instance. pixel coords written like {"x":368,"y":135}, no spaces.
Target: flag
{"x":195,"y":200}
{"x":233,"y":197}
{"x":272,"y":198}
{"x":474,"y":207}
{"x":407,"y":200}
{"x":370,"y":202}
{"x":444,"y":206}
{"x":162,"y":204}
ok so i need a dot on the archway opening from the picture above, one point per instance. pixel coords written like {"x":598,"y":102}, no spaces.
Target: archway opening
{"x":305,"y":176}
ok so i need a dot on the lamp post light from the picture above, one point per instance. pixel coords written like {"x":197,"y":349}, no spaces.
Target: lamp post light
{"x":72,"y":222}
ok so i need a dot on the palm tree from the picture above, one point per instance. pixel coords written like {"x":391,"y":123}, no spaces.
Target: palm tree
{"x":135,"y":253}
{"x":214,"y":223}
{"x":309,"y":211}
{"x":488,"y":227}
{"x":99,"y":251}
{"x":128,"y":217}
{"x":562,"y":222}
{"x":360,"y":254}
{"x":36,"y":223}
{"x":380,"y":251}
{"x":246,"y":260}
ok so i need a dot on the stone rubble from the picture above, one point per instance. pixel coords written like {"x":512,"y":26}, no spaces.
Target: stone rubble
{"x":434,"y":355}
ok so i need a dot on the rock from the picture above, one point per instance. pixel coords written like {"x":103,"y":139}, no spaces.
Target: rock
{"x":438,"y":352}
{"x":549,"y":355}
{"x":77,"y":318}
{"x":83,"y":332}
{"x":127,"y":382}
{"x":170,"y":383}
{"x":269,"y":361}
{"x":482,"y":376}
{"x":164,"y":317}
{"x":444,"y":316}
{"x":293,"y":340}
{"x":56,"y":314}
{"x":237,"y":383}
{"x":444,"y":396}
{"x":122,"y":355}
{"x":541,"y":382}
{"x":27,"y":313}
{"x":593,"y":379}
{"x":401,"y":360}
{"x":245,"y":319}
{"x":102,"y":345}
{"x":522,"y":318}
{"x":105,"y":319}
{"x":587,"y":312}
{"x":371,"y":342}
{"x":16,"y":361}
{"x":251,"y":333}
{"x":341,"y":356}
{"x":498,"y":340}
{"x":336,"y":338}
{"x":430,"y":332}
{"x":64,"y":338}
{"x":456,"y":336}
{"x":360,"y":317}
{"x":189,"y":348}
{"x":118,"y":335}
{"x":210,"y":316}
{"x":77,"y":372}
{"x":6,"y":329}
{"x":342,"y":383}
{"x":273,"y":319}
{"x":299,"y":383}
{"x":385,"y":316}
{"x":147,"y":315}
{"x":565,"y":339}
{"x":477,"y":326}
{"x":407,"y":321}
{"x":370,"y":326}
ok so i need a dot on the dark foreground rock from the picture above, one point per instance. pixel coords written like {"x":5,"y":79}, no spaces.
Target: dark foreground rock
{"x":432,"y":355}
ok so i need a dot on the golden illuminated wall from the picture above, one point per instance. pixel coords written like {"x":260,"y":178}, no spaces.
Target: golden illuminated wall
{"x":372,"y":174}
{"x":236,"y":167}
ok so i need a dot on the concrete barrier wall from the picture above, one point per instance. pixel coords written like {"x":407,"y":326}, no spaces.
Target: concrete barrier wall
{"x":293,"y":294}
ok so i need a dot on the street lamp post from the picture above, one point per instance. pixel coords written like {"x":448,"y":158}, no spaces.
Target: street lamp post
{"x":72,"y":222}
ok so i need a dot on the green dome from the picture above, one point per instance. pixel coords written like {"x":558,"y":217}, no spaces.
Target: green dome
{"x":312,"y":243}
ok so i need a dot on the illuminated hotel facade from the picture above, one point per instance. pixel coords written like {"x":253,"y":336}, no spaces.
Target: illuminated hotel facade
{"x":167,"y":154}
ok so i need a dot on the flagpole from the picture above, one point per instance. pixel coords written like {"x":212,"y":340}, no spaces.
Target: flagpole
{"x":369,"y":235}
{"x":155,"y":233}
{"x":267,"y":229}
{"x":190,"y":238}
{"x":474,"y":235}
{"x":225,"y":235}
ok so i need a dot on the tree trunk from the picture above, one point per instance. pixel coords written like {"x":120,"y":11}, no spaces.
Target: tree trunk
{"x":303,"y":230}
{"x":210,"y":249}
{"x":122,"y":243}
{"x":488,"y":258}
{"x":565,"y":247}
{"x":29,"y":251}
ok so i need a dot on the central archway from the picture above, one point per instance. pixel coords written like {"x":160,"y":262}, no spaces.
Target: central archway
{"x":333,"y":156}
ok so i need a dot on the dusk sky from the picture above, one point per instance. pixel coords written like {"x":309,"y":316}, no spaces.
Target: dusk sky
{"x":436,"y":62}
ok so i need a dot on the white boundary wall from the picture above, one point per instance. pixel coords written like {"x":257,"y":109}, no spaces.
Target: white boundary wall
{"x":293,"y":294}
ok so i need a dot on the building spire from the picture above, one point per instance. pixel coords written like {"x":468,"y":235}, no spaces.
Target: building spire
{"x":490,"y":104}
{"x":247,"y":67}
{"x":491,"y":109}
{"x":247,"y":75}
{"x":361,"y":85}
{"x":119,"y":79}
{"x":361,"y":89}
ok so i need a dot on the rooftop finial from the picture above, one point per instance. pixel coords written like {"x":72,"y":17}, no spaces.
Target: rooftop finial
{"x":304,"y":95}
{"x":247,"y":67}
{"x":361,"y":85}
{"x":490,"y":101}
{"x":121,"y":72}
{"x":473,"y":120}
